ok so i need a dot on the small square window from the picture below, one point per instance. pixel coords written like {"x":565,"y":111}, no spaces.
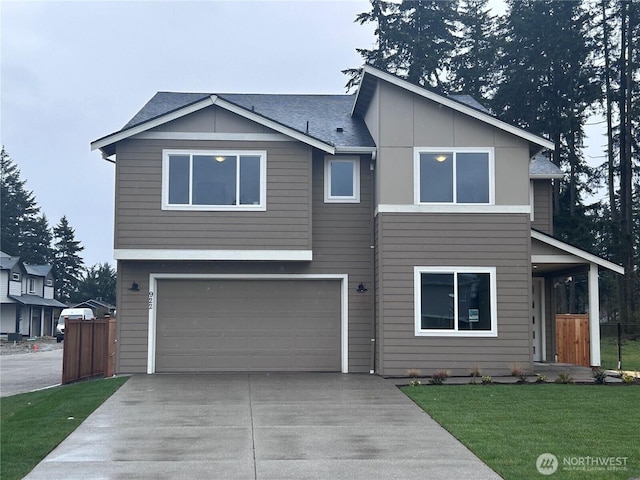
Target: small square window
{"x":15,"y":276}
{"x":341,"y":180}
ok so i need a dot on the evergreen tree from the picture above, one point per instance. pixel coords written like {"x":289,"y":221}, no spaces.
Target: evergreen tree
{"x":473,"y":66}
{"x":99,"y":282}
{"x":36,"y":243}
{"x":19,"y":208}
{"x":68,"y":265}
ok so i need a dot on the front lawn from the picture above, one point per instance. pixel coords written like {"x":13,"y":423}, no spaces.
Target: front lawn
{"x":630,"y":353}
{"x":33,"y":424}
{"x":509,"y":426}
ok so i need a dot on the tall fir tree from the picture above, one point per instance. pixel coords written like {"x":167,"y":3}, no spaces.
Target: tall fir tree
{"x":36,"y":244}
{"x":19,"y":208}
{"x":473,"y":67}
{"x":68,"y":265}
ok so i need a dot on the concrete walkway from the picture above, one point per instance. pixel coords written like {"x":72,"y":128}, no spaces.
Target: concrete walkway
{"x":280,"y":426}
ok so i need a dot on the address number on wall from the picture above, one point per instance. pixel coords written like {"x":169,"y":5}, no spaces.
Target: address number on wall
{"x":150,"y":300}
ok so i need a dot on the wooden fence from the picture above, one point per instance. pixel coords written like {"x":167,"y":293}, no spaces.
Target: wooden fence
{"x":572,"y":339}
{"x":89,"y":349}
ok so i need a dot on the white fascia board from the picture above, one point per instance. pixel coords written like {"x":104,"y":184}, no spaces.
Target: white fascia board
{"x":472,"y":112}
{"x":453,"y":208}
{"x":546,"y":176}
{"x":571,"y":250}
{"x":211,"y":255}
{"x":143,"y":127}
{"x":278,"y":127}
{"x":356,"y":150}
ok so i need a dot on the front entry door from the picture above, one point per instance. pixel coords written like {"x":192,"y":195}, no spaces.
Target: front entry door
{"x":537,"y":319}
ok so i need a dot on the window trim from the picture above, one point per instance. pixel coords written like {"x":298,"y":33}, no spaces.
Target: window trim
{"x":261,"y":207}
{"x":454,"y":150}
{"x":15,"y":276}
{"x":417,"y":302}
{"x":328,"y":198}
{"x":31,"y":285}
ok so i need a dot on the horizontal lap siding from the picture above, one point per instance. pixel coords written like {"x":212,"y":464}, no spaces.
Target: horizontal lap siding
{"x":141,"y":223}
{"x":542,"y":206}
{"x":409,"y":240}
{"x":342,"y":239}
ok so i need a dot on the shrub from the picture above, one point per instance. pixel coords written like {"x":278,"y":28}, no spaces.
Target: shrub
{"x":475,"y":373}
{"x":564,"y":377}
{"x":486,"y":380}
{"x":628,"y":379}
{"x":599,"y":376}
{"x":415,"y":382}
{"x":540,"y":378}
{"x":439,"y":377}
{"x":519,"y":372}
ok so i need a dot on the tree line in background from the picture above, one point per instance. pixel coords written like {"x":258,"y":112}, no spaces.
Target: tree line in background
{"x":25,"y":233}
{"x":549,"y":67}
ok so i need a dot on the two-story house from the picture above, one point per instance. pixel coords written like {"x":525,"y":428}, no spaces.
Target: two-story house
{"x":389,"y":230}
{"x":27,"y":306}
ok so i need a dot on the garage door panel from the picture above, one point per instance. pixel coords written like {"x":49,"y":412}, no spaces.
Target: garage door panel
{"x":248,"y":325}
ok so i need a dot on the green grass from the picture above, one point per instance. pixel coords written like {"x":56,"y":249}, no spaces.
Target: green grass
{"x":630,"y":354}
{"x":33,"y":424}
{"x":509,"y":426}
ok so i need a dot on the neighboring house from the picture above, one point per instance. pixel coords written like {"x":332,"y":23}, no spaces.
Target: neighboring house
{"x":100,"y":308}
{"x":26,"y":300}
{"x":389,"y":230}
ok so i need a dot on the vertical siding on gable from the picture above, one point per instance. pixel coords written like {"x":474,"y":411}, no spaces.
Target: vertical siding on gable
{"x":408,"y":240}
{"x":142,"y":224}
{"x":342,"y":239}
{"x":543,"y":206}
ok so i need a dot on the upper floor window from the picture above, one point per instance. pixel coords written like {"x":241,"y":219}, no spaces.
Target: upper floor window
{"x":341,"y":180}
{"x":31,"y":285}
{"x":458,"y":301}
{"x":214,"y":180}
{"x":15,"y":276}
{"x":458,"y":176}
{"x":49,"y":282}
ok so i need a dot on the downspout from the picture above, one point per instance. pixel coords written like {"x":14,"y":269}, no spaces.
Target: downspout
{"x":372,"y":169}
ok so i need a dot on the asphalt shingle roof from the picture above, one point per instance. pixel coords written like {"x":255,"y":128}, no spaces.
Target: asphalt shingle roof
{"x":541,"y":166}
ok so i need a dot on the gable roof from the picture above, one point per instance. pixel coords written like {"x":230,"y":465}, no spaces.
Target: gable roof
{"x":459,"y":103}
{"x":322,"y":121}
{"x":7,"y":262}
{"x":37,"y":270}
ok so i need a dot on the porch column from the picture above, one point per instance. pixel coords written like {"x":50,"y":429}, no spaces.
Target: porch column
{"x":594,"y":316}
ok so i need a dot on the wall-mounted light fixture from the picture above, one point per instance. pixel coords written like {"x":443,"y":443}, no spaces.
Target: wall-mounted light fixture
{"x":134,"y":287}
{"x":361,"y":288}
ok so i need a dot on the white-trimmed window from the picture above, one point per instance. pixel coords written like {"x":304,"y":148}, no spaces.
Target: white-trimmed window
{"x":214,"y":180}
{"x":455,"y":301}
{"x":341,"y":180}
{"x":15,"y":276}
{"x":31,"y":285}
{"x":454,"y":176}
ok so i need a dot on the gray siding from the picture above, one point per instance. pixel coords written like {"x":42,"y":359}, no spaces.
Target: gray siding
{"x":342,"y":239}
{"x":408,"y":240}
{"x":142,"y":224}
{"x":542,"y":206}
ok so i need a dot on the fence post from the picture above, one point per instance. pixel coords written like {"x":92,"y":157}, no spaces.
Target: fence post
{"x":619,"y":346}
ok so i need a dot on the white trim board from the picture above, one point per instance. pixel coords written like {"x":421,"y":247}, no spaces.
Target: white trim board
{"x":572,"y":251}
{"x":453,"y":208}
{"x":239,"y":255}
{"x":344,"y":304}
{"x":246,"y":137}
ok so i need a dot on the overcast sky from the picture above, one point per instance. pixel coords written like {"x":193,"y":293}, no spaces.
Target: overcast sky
{"x":72,"y":72}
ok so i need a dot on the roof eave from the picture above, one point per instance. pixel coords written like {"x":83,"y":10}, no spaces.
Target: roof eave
{"x":589,"y":257}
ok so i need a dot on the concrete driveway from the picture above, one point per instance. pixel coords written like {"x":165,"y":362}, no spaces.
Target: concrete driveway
{"x":259,"y":426}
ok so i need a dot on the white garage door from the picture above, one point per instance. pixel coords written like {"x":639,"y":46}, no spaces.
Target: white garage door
{"x":248,"y":325}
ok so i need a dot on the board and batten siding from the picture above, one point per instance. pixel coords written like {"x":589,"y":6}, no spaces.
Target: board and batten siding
{"x":542,"y":206}
{"x":496,"y":240}
{"x":342,"y":239}
{"x":140,"y":222}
